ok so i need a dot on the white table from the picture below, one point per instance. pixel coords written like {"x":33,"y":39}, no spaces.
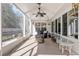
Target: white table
{"x":66,"y":46}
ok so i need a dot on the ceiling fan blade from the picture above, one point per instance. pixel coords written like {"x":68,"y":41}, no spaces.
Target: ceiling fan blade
{"x":41,"y":15}
{"x":36,"y":15}
{"x":44,"y":13}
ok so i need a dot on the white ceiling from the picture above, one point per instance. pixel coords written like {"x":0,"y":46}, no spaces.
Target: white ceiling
{"x":31,"y":8}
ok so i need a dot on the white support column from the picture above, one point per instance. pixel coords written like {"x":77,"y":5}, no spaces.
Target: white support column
{"x":30,"y":26}
{"x":74,"y":27}
{"x":61,"y":28}
{"x":78,"y":23}
{"x":0,"y":29}
{"x":54,"y":26}
{"x":24,"y":26}
{"x":61,"y":25}
{"x":68,"y":27}
{"x":40,"y":25}
{"x":68,"y":32}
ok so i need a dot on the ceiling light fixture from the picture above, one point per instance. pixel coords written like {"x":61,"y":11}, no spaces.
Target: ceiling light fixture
{"x":40,"y":11}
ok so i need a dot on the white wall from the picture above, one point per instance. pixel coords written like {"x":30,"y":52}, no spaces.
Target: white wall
{"x":48,"y":27}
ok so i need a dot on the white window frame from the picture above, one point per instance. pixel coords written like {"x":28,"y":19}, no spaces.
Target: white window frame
{"x":5,"y":43}
{"x":78,"y":23}
{"x":0,"y":32}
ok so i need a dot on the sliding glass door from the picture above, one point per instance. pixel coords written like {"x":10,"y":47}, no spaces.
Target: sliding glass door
{"x":64,"y":24}
{"x":52,"y":27}
{"x":59,"y":25}
{"x":56,"y":26}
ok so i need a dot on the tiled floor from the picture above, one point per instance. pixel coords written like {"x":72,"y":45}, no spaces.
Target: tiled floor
{"x":32,"y":48}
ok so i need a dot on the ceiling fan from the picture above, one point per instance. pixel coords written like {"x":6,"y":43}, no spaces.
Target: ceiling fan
{"x":40,"y":11}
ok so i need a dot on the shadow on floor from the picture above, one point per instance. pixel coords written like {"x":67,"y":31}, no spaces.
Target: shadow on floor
{"x":24,"y":45}
{"x":31,"y":47}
